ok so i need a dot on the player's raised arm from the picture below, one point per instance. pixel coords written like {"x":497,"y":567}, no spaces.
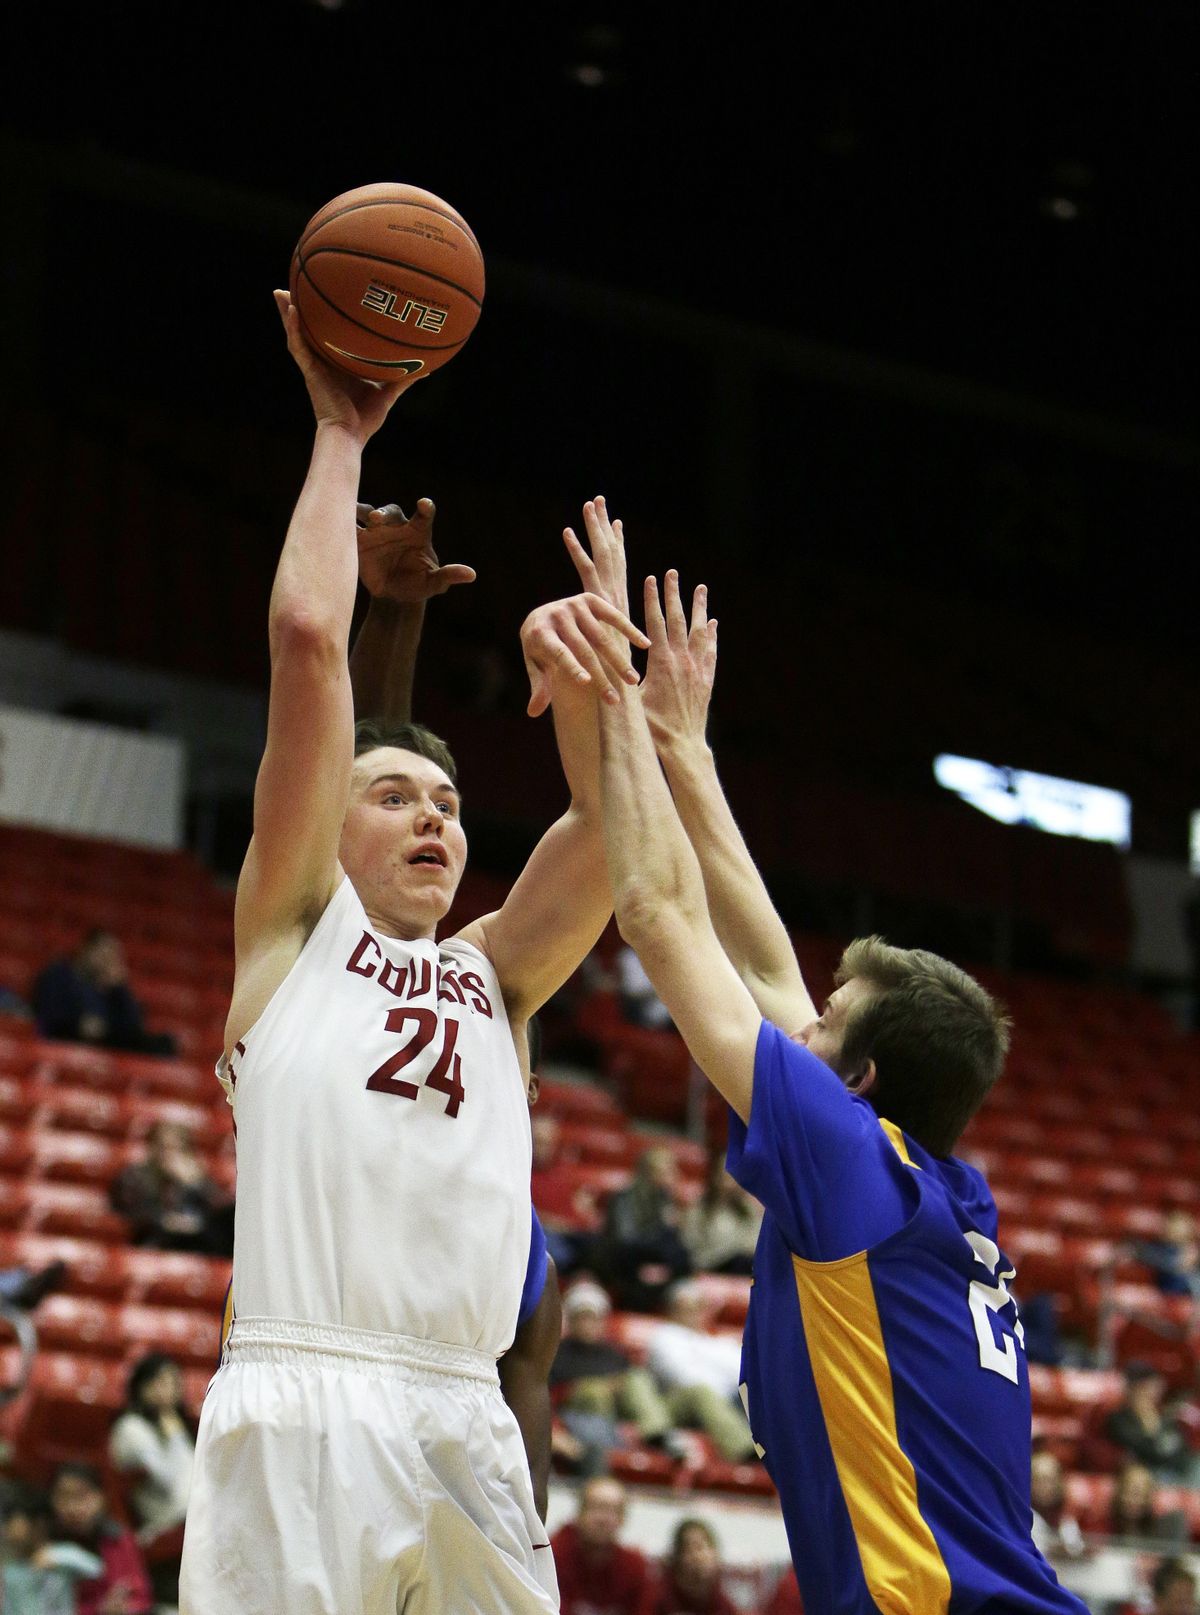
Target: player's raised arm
{"x":676,"y":694}
{"x":400,"y":572}
{"x":560,"y":904}
{"x":678,"y":687}
{"x":300,"y":796}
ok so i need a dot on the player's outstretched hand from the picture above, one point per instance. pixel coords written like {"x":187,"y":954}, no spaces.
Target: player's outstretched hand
{"x":603,"y":572}
{"x":681,"y":666}
{"x":584,"y":640}
{"x":338,"y":399}
{"x":396,"y":558}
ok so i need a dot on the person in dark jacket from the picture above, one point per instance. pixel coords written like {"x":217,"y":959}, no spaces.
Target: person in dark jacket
{"x":86,"y":998}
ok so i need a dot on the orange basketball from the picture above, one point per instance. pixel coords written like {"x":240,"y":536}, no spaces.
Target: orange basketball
{"x":388,"y":281}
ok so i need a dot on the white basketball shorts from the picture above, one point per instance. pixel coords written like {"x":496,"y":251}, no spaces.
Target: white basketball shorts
{"x":343,"y":1472}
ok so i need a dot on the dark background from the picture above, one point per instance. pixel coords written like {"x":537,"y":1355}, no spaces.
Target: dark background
{"x":882,"y":323}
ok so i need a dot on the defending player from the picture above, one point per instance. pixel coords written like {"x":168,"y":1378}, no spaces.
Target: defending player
{"x":885,"y":1376}
{"x":355,"y":1453}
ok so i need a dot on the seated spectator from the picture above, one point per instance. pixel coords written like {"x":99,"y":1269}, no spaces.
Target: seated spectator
{"x":596,"y":1575}
{"x":38,"y":1576}
{"x":170,"y":1199}
{"x":80,"y":1515}
{"x":152,"y":1444}
{"x":721,"y":1229}
{"x":86,"y":999}
{"x":1172,"y":1588}
{"x":640,"y":1004}
{"x":691,"y":1580}
{"x":1132,"y":1511}
{"x":698,"y":1374}
{"x":601,"y":1384}
{"x":1143,"y":1428}
{"x":1175,"y":1258}
{"x":560,"y":1201}
{"x":1055,"y":1532}
{"x":641,"y":1253}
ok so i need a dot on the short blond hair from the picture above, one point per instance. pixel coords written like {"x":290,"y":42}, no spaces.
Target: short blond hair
{"x":937,"y":1038}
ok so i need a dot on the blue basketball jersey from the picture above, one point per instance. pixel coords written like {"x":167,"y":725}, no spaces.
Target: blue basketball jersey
{"x":883,"y":1365}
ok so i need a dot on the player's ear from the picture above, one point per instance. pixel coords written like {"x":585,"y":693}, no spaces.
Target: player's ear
{"x":863,"y":1080}
{"x":534,"y":1088}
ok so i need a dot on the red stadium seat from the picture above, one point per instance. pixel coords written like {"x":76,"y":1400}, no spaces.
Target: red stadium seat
{"x":640,"y":1466}
{"x":79,"y":1211}
{"x":750,"y":1479}
{"x":80,"y":1158}
{"x":178,"y":1279}
{"x":92,"y":1269}
{"x":598,"y":1144}
{"x":16,"y":1151}
{"x":76,"y":1324}
{"x":190,"y":1337}
{"x":69,"y":1409}
{"x":580,"y":1101}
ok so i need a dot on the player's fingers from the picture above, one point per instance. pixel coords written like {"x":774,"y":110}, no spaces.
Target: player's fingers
{"x":699,"y":627}
{"x":362,"y":512}
{"x":656,"y":625}
{"x":602,"y":662}
{"x":426,"y":509}
{"x":539,"y":693}
{"x":676,"y":622}
{"x":447,"y":576}
{"x":595,"y":519}
{"x":584,"y":564}
{"x":387,"y":516}
{"x":610,"y":653}
{"x":616,"y":618}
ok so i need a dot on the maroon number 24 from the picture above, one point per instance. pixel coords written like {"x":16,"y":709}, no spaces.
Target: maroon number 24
{"x":446,"y":1073}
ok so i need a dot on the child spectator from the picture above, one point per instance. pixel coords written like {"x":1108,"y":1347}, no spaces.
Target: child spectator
{"x":691,"y":1580}
{"x":80,"y":1516}
{"x":38,"y":1576}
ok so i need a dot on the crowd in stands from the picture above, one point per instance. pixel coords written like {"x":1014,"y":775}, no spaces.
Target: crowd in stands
{"x":654,"y":1242}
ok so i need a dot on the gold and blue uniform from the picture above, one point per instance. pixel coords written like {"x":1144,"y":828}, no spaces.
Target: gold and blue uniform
{"x":883,"y":1366}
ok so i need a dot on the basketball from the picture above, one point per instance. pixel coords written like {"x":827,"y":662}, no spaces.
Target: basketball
{"x":388,"y":281}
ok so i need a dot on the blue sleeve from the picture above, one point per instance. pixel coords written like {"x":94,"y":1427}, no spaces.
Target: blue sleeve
{"x":816,"y":1156}
{"x":535,"y":1272}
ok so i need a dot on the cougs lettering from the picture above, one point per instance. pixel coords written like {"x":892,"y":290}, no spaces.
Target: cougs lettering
{"x":401,"y":981}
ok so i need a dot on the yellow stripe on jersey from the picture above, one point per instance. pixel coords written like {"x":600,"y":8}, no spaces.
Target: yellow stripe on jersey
{"x":904,"y":1570}
{"x":896,"y":1138}
{"x":227,"y":1320}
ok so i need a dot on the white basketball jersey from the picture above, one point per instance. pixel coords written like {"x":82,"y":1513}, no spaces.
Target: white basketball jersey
{"x":383,"y":1142}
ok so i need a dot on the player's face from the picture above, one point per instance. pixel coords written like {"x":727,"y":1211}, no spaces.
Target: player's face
{"x":826,"y":1035}
{"x":403,"y":844}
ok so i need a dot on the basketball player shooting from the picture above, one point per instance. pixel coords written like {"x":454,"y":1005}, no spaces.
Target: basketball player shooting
{"x":355,"y":1453}
{"x":400,"y":570}
{"x":883,"y":1363}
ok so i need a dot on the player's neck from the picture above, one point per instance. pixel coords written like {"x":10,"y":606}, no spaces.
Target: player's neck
{"x":403,"y":927}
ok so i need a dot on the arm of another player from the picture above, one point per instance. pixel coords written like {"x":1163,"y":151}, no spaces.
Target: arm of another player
{"x":661,"y":907}
{"x":676,"y":693}
{"x":560,"y":904}
{"x":303,"y":781}
{"x":400,"y":572}
{"x":525,"y":1381}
